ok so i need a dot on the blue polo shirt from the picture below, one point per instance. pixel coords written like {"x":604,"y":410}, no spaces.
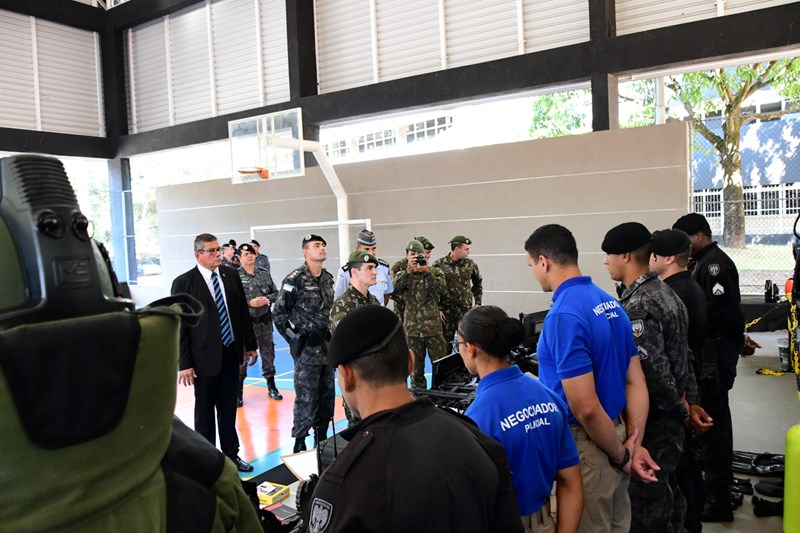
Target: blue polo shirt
{"x":587,"y":330}
{"x":530,"y":421}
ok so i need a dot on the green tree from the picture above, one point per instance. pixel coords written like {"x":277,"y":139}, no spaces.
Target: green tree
{"x":562,"y":113}
{"x":703,"y":92}
{"x":698,"y":94}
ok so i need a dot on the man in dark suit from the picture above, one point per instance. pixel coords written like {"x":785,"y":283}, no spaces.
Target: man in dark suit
{"x":212,"y":351}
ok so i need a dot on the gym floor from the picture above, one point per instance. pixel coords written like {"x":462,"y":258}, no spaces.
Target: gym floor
{"x":763,"y":408}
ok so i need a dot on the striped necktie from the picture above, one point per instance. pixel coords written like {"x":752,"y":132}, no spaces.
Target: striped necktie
{"x":225,"y":333}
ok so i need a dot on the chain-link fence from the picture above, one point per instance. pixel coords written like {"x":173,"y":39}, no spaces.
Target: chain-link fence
{"x":770,"y":163}
{"x":770,"y":214}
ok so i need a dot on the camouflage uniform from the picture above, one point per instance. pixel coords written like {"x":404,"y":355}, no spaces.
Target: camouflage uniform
{"x":464,"y":282}
{"x":351,"y":299}
{"x":260,"y":284}
{"x":348,"y":301}
{"x":659,"y":322}
{"x":301,"y":316}
{"x":422,"y":294}
{"x":399,"y":304}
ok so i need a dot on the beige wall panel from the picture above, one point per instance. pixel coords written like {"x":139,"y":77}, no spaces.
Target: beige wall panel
{"x":497,"y":195}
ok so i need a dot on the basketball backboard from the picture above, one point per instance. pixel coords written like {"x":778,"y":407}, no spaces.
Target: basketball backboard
{"x":253,"y":148}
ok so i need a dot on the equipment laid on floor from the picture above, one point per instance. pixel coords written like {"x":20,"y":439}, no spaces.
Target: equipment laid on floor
{"x":760,"y":464}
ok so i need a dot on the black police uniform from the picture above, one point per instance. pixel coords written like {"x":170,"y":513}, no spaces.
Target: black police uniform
{"x":416,"y":468}
{"x":718,"y":277}
{"x":688,"y":473}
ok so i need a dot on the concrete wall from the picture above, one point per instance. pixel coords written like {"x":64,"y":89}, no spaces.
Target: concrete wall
{"x":496,"y":195}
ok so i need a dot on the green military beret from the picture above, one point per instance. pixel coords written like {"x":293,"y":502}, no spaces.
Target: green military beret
{"x":460,"y":239}
{"x":415,"y":246}
{"x":428,"y":245}
{"x":360,"y":256}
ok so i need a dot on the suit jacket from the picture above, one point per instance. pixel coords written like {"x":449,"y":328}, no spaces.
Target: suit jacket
{"x":200,"y":346}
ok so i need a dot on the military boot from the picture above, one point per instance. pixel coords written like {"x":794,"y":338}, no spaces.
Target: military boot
{"x":273,"y":390}
{"x":299,"y":444}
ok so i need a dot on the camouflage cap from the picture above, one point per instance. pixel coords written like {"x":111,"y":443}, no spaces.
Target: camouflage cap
{"x":360,"y":256}
{"x":428,"y":245}
{"x":460,"y":239}
{"x":670,"y":242}
{"x":364,"y":331}
{"x":415,"y":246}
{"x":625,"y":237}
{"x":312,"y":237}
{"x":247,"y":247}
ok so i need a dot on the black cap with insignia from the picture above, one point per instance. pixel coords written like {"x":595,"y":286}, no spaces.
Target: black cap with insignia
{"x":247,"y":247}
{"x":626,"y":237}
{"x":364,"y":331}
{"x":311,"y":238}
{"x":670,"y":242}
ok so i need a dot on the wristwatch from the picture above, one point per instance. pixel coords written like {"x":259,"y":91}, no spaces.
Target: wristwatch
{"x":625,"y":458}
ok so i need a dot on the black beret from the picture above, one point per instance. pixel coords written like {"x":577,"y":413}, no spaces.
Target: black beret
{"x":364,"y":331}
{"x":692,"y":223}
{"x":247,"y":247}
{"x":253,"y":241}
{"x":669,"y":242}
{"x":626,"y":237}
{"x":311,"y":238}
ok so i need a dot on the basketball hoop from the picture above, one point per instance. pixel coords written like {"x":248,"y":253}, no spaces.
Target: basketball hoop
{"x":262,"y":172}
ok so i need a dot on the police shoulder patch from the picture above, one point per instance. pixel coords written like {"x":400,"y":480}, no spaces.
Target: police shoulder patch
{"x":638,"y":327}
{"x":713,"y":269}
{"x":320,"y":515}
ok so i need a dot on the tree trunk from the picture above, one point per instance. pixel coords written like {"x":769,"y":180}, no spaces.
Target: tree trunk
{"x":732,"y":190}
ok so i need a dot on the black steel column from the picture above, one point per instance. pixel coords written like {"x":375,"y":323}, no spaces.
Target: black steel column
{"x":602,"y":27}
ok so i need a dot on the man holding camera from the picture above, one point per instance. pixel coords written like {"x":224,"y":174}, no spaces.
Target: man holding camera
{"x":402,"y":264}
{"x":301,"y":317}
{"x":422,"y":288}
{"x":464,"y":284}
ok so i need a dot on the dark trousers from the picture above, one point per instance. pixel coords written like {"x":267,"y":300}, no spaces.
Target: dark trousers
{"x":717,"y":443}
{"x":690,"y":480}
{"x":215,"y":404}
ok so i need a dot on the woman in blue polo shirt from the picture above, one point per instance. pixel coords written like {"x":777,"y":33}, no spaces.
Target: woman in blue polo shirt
{"x":526,"y":417}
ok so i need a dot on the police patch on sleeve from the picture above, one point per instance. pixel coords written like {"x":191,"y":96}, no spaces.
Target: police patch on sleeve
{"x":287,"y":287}
{"x":320,"y":515}
{"x":713,"y":269}
{"x":717,"y":289}
{"x":638,"y":328}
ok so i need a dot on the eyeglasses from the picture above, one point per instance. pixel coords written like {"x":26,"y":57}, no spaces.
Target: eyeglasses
{"x":456,"y":344}
{"x":209,"y":250}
